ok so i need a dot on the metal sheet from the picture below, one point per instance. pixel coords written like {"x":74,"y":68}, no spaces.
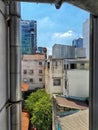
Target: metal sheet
{"x":3,"y":69}
{"x":88,"y":5}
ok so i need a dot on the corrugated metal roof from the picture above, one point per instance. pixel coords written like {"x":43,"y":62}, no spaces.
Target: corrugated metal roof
{"x":89,"y":5}
{"x":71,"y":103}
{"x":77,"y":121}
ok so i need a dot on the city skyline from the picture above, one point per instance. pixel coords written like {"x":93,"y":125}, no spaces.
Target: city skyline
{"x":55,"y":26}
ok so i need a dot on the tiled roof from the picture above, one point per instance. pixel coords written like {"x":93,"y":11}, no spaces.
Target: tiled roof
{"x":77,"y":121}
{"x":34,"y":57}
{"x":25,"y":120}
{"x":24,"y":87}
{"x":76,"y":104}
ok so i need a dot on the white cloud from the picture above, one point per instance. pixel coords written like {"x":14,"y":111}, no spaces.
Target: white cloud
{"x":63,"y":35}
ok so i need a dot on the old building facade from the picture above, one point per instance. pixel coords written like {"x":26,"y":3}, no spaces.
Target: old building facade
{"x":55,"y":77}
{"x":67,"y":77}
{"x":33,"y":70}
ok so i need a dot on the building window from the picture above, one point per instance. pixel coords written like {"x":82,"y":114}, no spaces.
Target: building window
{"x":31,"y":80}
{"x":25,"y":71}
{"x":57,"y":82}
{"x":31,"y":71}
{"x":72,"y":66}
{"x":40,"y":63}
{"x":40,"y":79}
{"x":48,"y":65}
{"x":65,"y":84}
{"x":25,"y":80}
{"x":40,"y":71}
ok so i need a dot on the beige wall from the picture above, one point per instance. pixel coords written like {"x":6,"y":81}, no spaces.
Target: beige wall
{"x":56,"y":71}
{"x":85,"y":66}
{"x":33,"y":65}
{"x":78,"y":82}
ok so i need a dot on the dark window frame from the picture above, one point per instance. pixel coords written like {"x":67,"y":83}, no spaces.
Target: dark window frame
{"x":40,"y":80}
{"x":57,"y":82}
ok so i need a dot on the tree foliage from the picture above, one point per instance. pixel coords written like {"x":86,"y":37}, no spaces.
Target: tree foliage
{"x":40,"y":106}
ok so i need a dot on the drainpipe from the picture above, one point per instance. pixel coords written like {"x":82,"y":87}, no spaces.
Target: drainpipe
{"x":15,"y":66}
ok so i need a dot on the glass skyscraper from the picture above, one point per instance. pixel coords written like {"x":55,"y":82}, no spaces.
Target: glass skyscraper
{"x":78,"y":43}
{"x":28,"y":36}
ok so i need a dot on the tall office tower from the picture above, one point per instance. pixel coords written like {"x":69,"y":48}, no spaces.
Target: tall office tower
{"x":28,"y":36}
{"x":78,"y":43}
{"x":86,"y":32}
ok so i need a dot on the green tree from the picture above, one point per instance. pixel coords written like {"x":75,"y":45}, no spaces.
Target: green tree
{"x":40,"y":106}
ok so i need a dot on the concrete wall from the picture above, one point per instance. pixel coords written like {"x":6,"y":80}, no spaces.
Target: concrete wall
{"x":56,"y":71}
{"x":63,"y":51}
{"x":78,"y":82}
{"x":3,"y":64}
{"x":80,"y":52}
{"x":86,"y":40}
{"x":82,"y":66}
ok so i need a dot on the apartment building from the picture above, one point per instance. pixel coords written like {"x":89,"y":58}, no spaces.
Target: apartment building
{"x":33,"y":70}
{"x":55,"y":77}
{"x":67,"y":77}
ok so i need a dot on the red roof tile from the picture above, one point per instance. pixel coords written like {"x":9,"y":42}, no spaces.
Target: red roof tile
{"x":24,"y":87}
{"x":25,"y":120}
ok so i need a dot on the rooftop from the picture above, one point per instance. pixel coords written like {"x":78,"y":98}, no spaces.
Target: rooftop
{"x":71,"y":103}
{"x":34,"y":57}
{"x":76,"y":121}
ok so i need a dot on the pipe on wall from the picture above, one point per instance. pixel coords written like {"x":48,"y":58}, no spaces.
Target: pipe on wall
{"x":15,"y":66}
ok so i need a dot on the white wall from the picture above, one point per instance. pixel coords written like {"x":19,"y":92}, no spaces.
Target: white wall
{"x":78,"y":83}
{"x":56,"y":71}
{"x":86,"y":39}
{"x":3,"y":123}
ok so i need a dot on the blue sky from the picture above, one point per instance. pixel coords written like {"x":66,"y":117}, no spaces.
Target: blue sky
{"x":59,"y":26}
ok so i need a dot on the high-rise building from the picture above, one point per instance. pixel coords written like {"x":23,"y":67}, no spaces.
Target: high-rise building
{"x":63,"y":51}
{"x":86,"y":36}
{"x":29,"y":36}
{"x":78,"y":43}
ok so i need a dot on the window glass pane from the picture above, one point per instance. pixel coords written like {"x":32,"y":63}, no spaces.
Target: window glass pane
{"x":40,"y":71}
{"x":31,"y":80}
{"x":40,"y":79}
{"x":40,"y":63}
{"x":57,"y":82}
{"x":25,"y":71}
{"x":30,"y":71}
